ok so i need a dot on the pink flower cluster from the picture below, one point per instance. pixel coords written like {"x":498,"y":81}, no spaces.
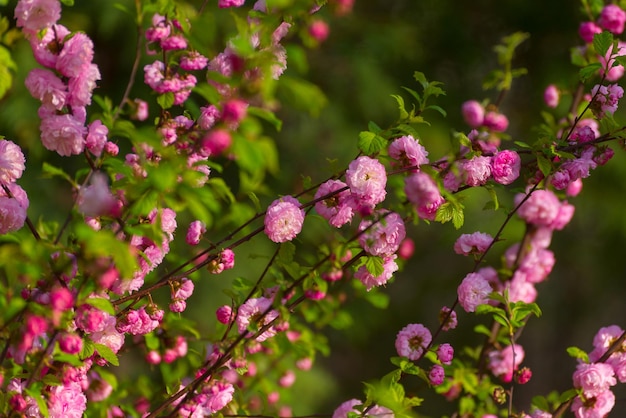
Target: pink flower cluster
{"x":13,"y":199}
{"x":503,"y":363}
{"x":408,"y":152}
{"x":476,"y":243}
{"x":594,"y":379}
{"x":283,"y":219}
{"x":254,"y":309}
{"x":612,"y":19}
{"x":476,"y":116}
{"x":350,"y":406}
{"x":181,"y":291}
{"x":66,"y":85}
{"x":605,"y":99}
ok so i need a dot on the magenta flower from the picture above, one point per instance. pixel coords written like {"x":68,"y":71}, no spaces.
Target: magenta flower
{"x":283,"y":219}
{"x":412,"y":340}
{"x":319,"y":30}
{"x":67,"y":401}
{"x":594,"y":378}
{"x":369,"y":280}
{"x":612,"y":18}
{"x":503,"y":363}
{"x":449,"y":316}
{"x":496,"y":121}
{"x":194,"y":232}
{"x":423,"y":192}
{"x":473,"y":113}
{"x":230,"y":3}
{"x":551,"y":96}
{"x":587,"y":30}
{"x":474,"y":290}
{"x":477,"y":171}
{"x":540,"y":209}
{"x":505,"y":166}
{"x":605,"y":99}
{"x":596,"y":407}
{"x":445,"y":353}
{"x":436,"y":375}
{"x":224,"y":314}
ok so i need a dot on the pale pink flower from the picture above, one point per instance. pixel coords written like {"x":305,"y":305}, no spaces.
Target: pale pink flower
{"x":574,"y":188}
{"x":423,"y":192}
{"x":412,"y":341}
{"x":383,"y":237}
{"x":367,"y":180}
{"x":283,"y":219}
{"x":250,"y":313}
{"x":605,"y":99}
{"x":477,"y":171}
{"x":503,"y":363}
{"x":612,"y":18}
{"x":336,"y":209}
{"x":96,"y":199}
{"x":369,"y":280}
{"x":45,"y":86}
{"x":540,"y":209}
{"x":346,"y":407}
{"x":12,"y":215}
{"x":208,"y":116}
{"x":408,"y":152}
{"x":474,"y":290}
{"x":520,"y":289}
{"x":596,"y":407}
{"x":603,"y":339}
{"x":473,"y":113}
{"x":35,"y":15}
{"x":563,"y":217}
{"x":193,"y":60}
{"x":219,"y":394}
{"x":173,"y":43}
{"x":11,"y":162}
{"x":96,"y":137}
{"x":194,"y":232}
{"x":80,"y":88}
{"x":66,"y":401}
{"x":45,"y":48}
{"x":505,"y":166}
{"x":75,"y":56}
{"x":615,"y":70}
{"x":594,"y":378}
{"x":475,"y":243}
{"x":63,"y":134}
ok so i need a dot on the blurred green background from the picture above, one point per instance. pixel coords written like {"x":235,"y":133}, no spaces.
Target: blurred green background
{"x":369,"y":55}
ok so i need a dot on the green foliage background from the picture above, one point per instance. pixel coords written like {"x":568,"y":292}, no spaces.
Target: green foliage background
{"x":369,"y":55}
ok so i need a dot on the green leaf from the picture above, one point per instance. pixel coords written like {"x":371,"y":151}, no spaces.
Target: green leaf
{"x":68,"y":2}
{"x":602,"y":42}
{"x":401,"y":107}
{"x":577,"y":353}
{"x":567,"y":395}
{"x":50,"y":171}
{"x":588,"y":71}
{"x":544,"y":164}
{"x":267,"y":116}
{"x":104,"y":305}
{"x":370,"y":143}
{"x":437,"y":108}
{"x":374,"y":265}
{"x":406,"y":365}
{"x":540,"y":402}
{"x":106,"y":353}
{"x":286,"y":252}
{"x":377,"y":299}
{"x":166,"y":100}
{"x":374,"y":128}
{"x":6,"y":64}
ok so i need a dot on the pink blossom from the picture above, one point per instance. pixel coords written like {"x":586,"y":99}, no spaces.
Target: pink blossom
{"x":35,"y":15}
{"x":474,"y":290}
{"x":250,"y":314}
{"x":383,"y":237}
{"x":407,"y":247}
{"x":336,"y":209}
{"x":551,"y":96}
{"x":367,"y":180}
{"x":12,"y":215}
{"x":11,"y":162}
{"x":224,"y":314}
{"x":408,"y":152}
{"x":473,"y":113}
{"x":287,"y":379}
{"x":587,"y":30}
{"x":75,"y":56}
{"x":503,"y":363}
{"x":423,"y":192}
{"x":208,"y":116}
{"x":505,"y":166}
{"x":436,"y":375}
{"x":215,"y":142}
{"x":346,"y":407}
{"x":563,"y":217}
{"x":173,"y":42}
{"x":574,"y":188}
{"x":521,"y":289}
{"x":96,"y":199}
{"x":496,"y":121}
{"x":66,"y":401}
{"x":230,"y":3}
{"x":80,"y":88}
{"x":447,"y":318}
{"x":476,"y":243}
{"x":445,"y":353}
{"x":193,"y":60}
{"x":540,"y":209}
{"x":63,"y":134}
{"x":605,"y":99}
{"x":596,"y":407}
{"x":477,"y":171}
{"x":45,"y":86}
{"x":560,"y":179}
{"x":194,"y":232}
{"x":615,"y":70}
{"x":45,"y":48}
{"x":369,"y":280}
{"x":70,"y":343}
{"x":96,"y":137}
{"x":612,"y":18}
{"x":283,"y":219}
{"x":603,"y":339}
{"x":412,"y":341}
{"x":594,"y":378}
{"x":319,"y":30}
